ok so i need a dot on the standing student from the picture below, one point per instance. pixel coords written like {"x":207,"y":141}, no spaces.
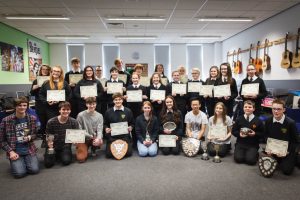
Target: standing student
{"x":119,"y":64}
{"x":138,"y":69}
{"x":17,"y":143}
{"x":159,"y":68}
{"x":210,"y":101}
{"x":193,"y":95}
{"x":99,"y":76}
{"x":247,"y":144}
{"x":252,"y":78}
{"x":146,"y":129}
{"x":182,"y":74}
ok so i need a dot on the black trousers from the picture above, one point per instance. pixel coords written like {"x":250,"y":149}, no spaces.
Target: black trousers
{"x":64,"y":155}
{"x":171,"y":150}
{"x":224,"y":149}
{"x":245,"y":154}
{"x":287,"y":164}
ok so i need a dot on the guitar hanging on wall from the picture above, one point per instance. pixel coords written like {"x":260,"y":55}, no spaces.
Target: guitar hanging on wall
{"x":266,"y":65}
{"x":286,"y":55}
{"x":251,"y":60}
{"x":258,"y":61}
{"x":296,"y":56}
{"x":239,"y":65}
{"x":233,"y":61}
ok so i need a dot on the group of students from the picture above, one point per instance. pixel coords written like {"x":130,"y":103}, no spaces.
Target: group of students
{"x":145,"y":119}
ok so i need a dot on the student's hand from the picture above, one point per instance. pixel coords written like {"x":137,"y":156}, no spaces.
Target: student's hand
{"x":50,"y":103}
{"x":167,"y":131}
{"x":124,"y":89}
{"x":189,"y":134}
{"x":125,"y":96}
{"x":50,"y":144}
{"x":251,"y":133}
{"x":34,"y":87}
{"x":174,"y":94}
{"x":13,"y":155}
{"x":177,"y":137}
{"x":97,"y":142}
{"x":145,"y":97}
{"x":205,"y":96}
{"x":107,"y":130}
{"x":72,"y":84}
{"x":129,"y":128}
{"x":105,"y":89}
{"x":55,"y":102}
{"x":182,"y":95}
{"x":242,"y":135}
{"x":27,"y":138}
{"x":159,"y":101}
{"x":226,"y":98}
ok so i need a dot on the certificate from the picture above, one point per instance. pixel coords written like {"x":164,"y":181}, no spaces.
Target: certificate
{"x":167,"y":141}
{"x":222,"y":91}
{"x":250,"y":89}
{"x":295,"y":102}
{"x":134,"y":95}
{"x":74,"y":78}
{"x":88,"y":91}
{"x":114,"y":87}
{"x":123,"y":77}
{"x":206,"y":90}
{"x":218,"y":131}
{"x":119,"y":128}
{"x":145,"y":81}
{"x":277,"y":147}
{"x":157,"y":95}
{"x":194,"y":86}
{"x":41,"y":80}
{"x":56,"y":95}
{"x":178,"y":88}
{"x":75,"y":136}
{"x":164,"y":81}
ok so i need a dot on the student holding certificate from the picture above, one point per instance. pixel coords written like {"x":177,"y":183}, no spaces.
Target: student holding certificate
{"x":159,"y":68}
{"x":248,"y":130}
{"x":195,"y":94}
{"x":283,"y":129}
{"x":118,"y":63}
{"x":88,"y":80}
{"x":225,"y":78}
{"x":170,"y":113}
{"x":210,"y":101}
{"x":259,"y":91}
{"x":219,"y":131}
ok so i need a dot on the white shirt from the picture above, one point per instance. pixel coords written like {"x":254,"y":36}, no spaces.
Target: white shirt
{"x":280,"y":121}
{"x":79,"y":70}
{"x":157,"y":86}
{"x":114,"y":80}
{"x":253,"y":78}
{"x":122,"y":108}
{"x":250,"y":117}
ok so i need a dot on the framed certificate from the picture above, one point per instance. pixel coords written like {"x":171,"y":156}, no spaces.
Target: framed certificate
{"x":56,"y":95}
{"x":194,"y":86}
{"x":114,"y":87}
{"x":222,"y":91}
{"x":218,"y":131}
{"x":134,"y":95}
{"x":157,"y":95}
{"x":206,"y":90}
{"x":74,"y":78}
{"x":178,"y":88}
{"x":41,"y":80}
{"x":250,"y":89}
{"x":277,"y":147}
{"x":123,"y":77}
{"x":164,"y":81}
{"x":75,"y":136}
{"x":145,"y":81}
{"x":167,"y":141}
{"x":119,"y":128}
{"x":88,"y":91}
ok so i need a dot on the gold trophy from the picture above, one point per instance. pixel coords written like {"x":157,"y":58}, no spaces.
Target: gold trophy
{"x":50,"y":140}
{"x":26,"y":132}
{"x":204,"y":156}
{"x":217,"y":158}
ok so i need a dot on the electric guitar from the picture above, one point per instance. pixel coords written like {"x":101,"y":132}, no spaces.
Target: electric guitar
{"x":239,"y":65}
{"x":266,"y":65}
{"x":251,"y":60}
{"x":258,"y":61}
{"x":286,"y":55}
{"x":296,"y":56}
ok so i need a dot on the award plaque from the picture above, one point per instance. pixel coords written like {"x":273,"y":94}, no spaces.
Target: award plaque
{"x":267,"y":165}
{"x":119,"y":149}
{"x":190,"y":146}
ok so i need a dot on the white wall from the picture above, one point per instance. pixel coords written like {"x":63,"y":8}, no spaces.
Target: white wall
{"x":58,"y":55}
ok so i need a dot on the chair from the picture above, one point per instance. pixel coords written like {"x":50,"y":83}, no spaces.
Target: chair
{"x":20,"y":94}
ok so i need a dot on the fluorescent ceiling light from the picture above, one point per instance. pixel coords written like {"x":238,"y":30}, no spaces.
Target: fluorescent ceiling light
{"x":36,"y":17}
{"x":225,"y":19}
{"x":136,"y":37}
{"x":67,"y":37}
{"x":135,"y":18}
{"x":200,"y":37}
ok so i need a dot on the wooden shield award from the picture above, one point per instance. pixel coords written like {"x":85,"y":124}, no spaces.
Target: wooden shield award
{"x":190,"y":146}
{"x":119,"y":149}
{"x":267,"y":165}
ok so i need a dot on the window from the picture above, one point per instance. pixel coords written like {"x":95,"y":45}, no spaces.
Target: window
{"x":162,"y":56}
{"x":110,"y":53}
{"x":194,"y":57}
{"x":75,"y":50}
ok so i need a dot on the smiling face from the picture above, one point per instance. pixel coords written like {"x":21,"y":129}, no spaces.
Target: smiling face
{"x":160,"y":69}
{"x":251,"y":70}
{"x":277,"y":110}
{"x":195,"y":105}
{"x":213,"y":73}
{"x":118,"y":101}
{"x":114,"y":74}
{"x":219,"y":110}
{"x":44,"y":71}
{"x":195,"y":74}
{"x":155,"y":79}
{"x":21,"y":108}
{"x":98,"y":72}
{"x":175,"y":76}
{"x":89,"y":72}
{"x":91,"y":106}
{"x":55,"y":73}
{"x":224,"y":70}
{"x":135,"y":79}
{"x":169,"y":103}
{"x":64,"y":112}
{"x":248,"y":109}
{"x":146,"y":109}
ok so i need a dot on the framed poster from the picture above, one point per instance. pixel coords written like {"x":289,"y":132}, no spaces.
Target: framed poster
{"x":12,"y":59}
{"x":130,"y":66}
{"x":34,"y":58}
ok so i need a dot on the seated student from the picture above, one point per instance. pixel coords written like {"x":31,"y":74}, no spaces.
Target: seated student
{"x":170,"y":113}
{"x":57,"y":126}
{"x":247,"y":144}
{"x":146,"y":129}
{"x":281,"y":127}
{"x":116,"y":114}
{"x":91,"y":121}
{"x":219,"y":120}
{"x":18,"y":142}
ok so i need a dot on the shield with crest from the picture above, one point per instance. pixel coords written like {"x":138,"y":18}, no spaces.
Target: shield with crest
{"x":119,"y":149}
{"x":190,"y":146}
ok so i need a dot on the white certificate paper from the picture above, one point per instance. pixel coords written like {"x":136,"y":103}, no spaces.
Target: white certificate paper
{"x":134,"y":95}
{"x":157,"y":95}
{"x":164,"y":81}
{"x":119,"y":128}
{"x":56,"y":95}
{"x":75,"y":136}
{"x":88,"y":91}
{"x":41,"y":80}
{"x":194,"y":86}
{"x":277,"y":147}
{"x":167,"y":141}
{"x":218,"y":131}
{"x":178,"y":88}
{"x":206,"y":90}
{"x":74,"y":78}
{"x":114,"y":87}
{"x":222,"y":91}
{"x":123,"y":77}
{"x":250,"y":89}
{"x":145,"y":81}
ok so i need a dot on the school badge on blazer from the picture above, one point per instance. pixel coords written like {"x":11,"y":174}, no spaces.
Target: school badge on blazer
{"x":119,"y":149}
{"x":123,"y":116}
{"x":284,"y":130}
{"x":190,"y":146}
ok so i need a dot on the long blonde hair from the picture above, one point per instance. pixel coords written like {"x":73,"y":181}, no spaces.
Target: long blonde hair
{"x":224,"y":113}
{"x":61,"y":80}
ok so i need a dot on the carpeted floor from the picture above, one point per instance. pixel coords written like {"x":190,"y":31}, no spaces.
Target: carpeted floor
{"x":161,"y":177}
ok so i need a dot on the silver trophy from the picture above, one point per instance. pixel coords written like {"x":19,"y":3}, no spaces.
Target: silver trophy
{"x":217,"y":158}
{"x":148,"y":138}
{"x":204,"y":156}
{"x":50,"y":139}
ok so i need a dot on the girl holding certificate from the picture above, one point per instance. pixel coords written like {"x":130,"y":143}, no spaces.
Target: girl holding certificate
{"x":219,"y":131}
{"x":211,"y":80}
{"x":170,"y":113}
{"x":224,"y":79}
{"x":260,"y":89}
{"x":146,"y":129}
{"x":88,"y":80}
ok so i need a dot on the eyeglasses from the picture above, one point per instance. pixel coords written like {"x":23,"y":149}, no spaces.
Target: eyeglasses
{"x":277,"y":109}
{"x":99,"y":70}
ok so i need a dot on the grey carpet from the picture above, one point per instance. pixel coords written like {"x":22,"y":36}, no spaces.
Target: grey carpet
{"x":161,"y":177}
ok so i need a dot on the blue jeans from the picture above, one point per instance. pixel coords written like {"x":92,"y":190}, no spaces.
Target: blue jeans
{"x":25,"y":164}
{"x":144,"y":150}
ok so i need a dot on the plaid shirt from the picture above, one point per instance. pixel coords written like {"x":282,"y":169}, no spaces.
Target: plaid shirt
{"x":8,"y":137}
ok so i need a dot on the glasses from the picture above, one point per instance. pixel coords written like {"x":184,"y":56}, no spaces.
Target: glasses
{"x":99,"y":70}
{"x":56,"y":71}
{"x":277,"y":109}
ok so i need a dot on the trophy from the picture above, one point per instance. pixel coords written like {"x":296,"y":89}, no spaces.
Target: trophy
{"x":245,"y":130}
{"x":26,"y":132}
{"x":217,"y":158}
{"x":50,"y":139}
{"x":204,"y":156}
{"x":148,"y":139}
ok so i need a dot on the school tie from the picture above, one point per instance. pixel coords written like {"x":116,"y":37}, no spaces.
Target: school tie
{"x":251,"y":79}
{"x":248,"y":118}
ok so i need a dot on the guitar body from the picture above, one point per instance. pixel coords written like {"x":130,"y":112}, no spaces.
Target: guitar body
{"x":286,"y":59}
{"x":266,"y":65}
{"x":258,"y":65}
{"x":238,"y":68}
{"x":296,"y":60}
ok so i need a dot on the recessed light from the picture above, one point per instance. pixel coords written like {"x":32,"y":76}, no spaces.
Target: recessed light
{"x":135,"y":18}
{"x":67,"y":37}
{"x":36,"y":17}
{"x":225,"y":19}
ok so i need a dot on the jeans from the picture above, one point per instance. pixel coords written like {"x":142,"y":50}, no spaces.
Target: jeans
{"x":144,"y":150}
{"x":25,"y":164}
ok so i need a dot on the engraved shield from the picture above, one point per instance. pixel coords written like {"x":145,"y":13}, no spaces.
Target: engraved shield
{"x":190,"y":146}
{"x":119,"y":149}
{"x":267,"y":165}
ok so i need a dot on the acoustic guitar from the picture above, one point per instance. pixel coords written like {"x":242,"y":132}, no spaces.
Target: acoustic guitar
{"x":251,"y":60}
{"x":258,"y":61}
{"x":233,"y":61}
{"x":266,"y":65}
{"x":296,"y":57}
{"x":286,"y":55}
{"x":239,"y":65}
